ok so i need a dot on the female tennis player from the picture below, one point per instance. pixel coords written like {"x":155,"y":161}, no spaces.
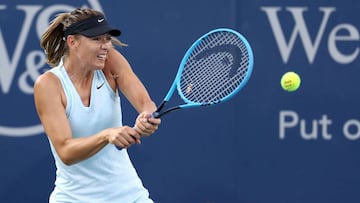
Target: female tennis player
{"x":79,"y":107}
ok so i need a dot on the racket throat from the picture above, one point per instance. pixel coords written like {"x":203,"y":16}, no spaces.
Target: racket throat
{"x":158,"y":114}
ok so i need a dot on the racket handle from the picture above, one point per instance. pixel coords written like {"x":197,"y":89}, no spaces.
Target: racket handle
{"x":156,"y":115}
{"x":153,"y":115}
{"x":119,"y":148}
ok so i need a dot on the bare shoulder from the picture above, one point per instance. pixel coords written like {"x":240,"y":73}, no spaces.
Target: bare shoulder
{"x":47,"y":81}
{"x":48,"y":89}
{"x":118,"y":69}
{"x":117,"y":63}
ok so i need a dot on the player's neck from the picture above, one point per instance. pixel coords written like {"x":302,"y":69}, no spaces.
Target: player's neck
{"x":78,"y":73}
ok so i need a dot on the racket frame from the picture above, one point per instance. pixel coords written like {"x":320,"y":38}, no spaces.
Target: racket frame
{"x":176,"y":82}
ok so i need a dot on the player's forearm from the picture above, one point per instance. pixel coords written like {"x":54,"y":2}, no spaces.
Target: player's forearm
{"x":75,"y":150}
{"x":148,"y":106}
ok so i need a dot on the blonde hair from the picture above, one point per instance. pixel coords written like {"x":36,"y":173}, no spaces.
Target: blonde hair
{"x":52,"y":40}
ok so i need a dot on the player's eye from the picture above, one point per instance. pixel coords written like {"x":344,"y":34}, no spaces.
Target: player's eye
{"x":106,"y":38}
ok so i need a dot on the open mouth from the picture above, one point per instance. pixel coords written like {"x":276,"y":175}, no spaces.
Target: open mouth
{"x":102,"y":57}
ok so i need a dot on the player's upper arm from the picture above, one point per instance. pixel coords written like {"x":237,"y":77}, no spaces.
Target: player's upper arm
{"x":127,"y":81}
{"x":50,"y":104}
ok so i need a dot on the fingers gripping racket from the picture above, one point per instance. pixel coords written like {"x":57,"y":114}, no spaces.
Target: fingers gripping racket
{"x":213,"y":70}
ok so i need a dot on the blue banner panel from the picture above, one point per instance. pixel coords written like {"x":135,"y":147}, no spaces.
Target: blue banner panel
{"x":265,"y":145}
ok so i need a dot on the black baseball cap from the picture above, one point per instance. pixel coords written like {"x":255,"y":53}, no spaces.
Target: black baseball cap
{"x":92,"y":27}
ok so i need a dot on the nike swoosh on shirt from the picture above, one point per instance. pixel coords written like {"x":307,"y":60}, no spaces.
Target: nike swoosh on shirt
{"x":100,"y":20}
{"x":100,"y":85}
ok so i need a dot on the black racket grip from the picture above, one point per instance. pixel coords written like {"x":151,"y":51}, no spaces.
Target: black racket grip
{"x":156,"y":115}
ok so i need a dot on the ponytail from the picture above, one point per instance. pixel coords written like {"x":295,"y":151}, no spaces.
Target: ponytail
{"x":53,"y":42}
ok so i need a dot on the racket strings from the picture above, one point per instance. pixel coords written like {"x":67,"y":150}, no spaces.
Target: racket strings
{"x":215,"y":68}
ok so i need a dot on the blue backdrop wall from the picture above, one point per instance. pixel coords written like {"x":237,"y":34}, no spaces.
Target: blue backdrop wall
{"x":266,"y":145}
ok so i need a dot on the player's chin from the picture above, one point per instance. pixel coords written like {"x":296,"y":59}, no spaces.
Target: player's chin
{"x":100,"y":64}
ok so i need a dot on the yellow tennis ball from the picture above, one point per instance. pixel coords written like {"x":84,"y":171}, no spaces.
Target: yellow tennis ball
{"x":290,"y":81}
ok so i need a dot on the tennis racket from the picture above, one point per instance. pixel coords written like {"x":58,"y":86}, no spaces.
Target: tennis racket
{"x":213,"y":70}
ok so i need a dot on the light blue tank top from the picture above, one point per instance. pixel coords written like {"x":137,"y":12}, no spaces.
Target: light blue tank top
{"x":108,"y":176}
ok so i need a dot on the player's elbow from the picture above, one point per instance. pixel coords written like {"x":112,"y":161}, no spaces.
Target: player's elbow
{"x":66,"y":152}
{"x":68,"y":162}
{"x":67,"y":159}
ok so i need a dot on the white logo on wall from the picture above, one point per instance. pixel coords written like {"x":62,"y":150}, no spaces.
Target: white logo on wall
{"x":37,"y":16}
{"x":311,"y":45}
